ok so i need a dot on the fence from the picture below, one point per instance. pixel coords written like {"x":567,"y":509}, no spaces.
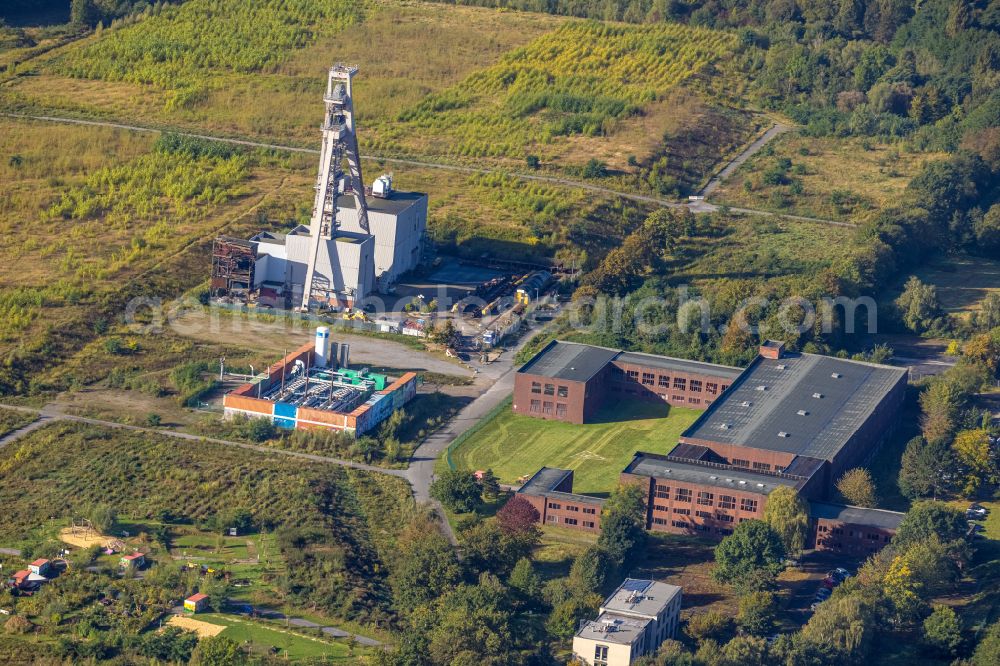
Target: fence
{"x":492,"y":414}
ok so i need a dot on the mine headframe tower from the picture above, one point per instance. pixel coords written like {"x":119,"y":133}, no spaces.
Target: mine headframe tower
{"x":340,"y":143}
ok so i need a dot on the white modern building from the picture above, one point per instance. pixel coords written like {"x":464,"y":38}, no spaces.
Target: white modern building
{"x":633,"y":622}
{"x":398,"y":220}
{"x":343,"y":266}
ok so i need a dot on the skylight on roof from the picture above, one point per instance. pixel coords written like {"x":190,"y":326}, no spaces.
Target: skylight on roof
{"x":783,"y":434}
{"x":723,"y":426}
{"x":761,"y":388}
{"x":781,"y":366}
{"x":817,"y":395}
{"x":745,"y":403}
{"x":835,"y":375}
{"x":802,"y":412}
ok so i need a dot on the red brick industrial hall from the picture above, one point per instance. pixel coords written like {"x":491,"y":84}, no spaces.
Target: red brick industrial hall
{"x":791,"y":419}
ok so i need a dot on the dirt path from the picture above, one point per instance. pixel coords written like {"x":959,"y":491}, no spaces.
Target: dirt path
{"x":776,"y":130}
{"x":695,"y":207}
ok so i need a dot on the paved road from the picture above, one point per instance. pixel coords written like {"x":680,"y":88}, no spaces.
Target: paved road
{"x":696,"y":207}
{"x":777,"y":130}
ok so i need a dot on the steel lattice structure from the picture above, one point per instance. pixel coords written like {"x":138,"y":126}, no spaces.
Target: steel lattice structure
{"x":340,"y":143}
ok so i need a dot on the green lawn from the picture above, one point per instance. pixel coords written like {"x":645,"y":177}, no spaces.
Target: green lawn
{"x":514,"y":445}
{"x":294,"y":644}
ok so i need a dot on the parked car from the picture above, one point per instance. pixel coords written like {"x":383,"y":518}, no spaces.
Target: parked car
{"x":830,"y":582}
{"x":842,"y":573}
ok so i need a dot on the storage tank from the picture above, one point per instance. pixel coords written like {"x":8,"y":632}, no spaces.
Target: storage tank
{"x":322,"y":354}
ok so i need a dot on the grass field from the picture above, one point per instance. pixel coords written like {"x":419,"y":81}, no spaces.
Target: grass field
{"x":293,"y":644}
{"x":823,"y":177}
{"x":513,"y":445}
{"x":962,"y":282}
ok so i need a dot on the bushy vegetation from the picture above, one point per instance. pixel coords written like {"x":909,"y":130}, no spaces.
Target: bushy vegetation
{"x":579,"y":79}
{"x":323,"y":516}
{"x":177,"y":46}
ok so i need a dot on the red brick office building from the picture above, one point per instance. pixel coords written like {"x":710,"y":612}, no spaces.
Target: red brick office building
{"x":797,"y":420}
{"x":571,"y":382}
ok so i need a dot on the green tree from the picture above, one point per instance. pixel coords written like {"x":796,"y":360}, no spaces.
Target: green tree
{"x":846,"y":623}
{"x":925,"y":466}
{"x":943,"y":630}
{"x":711,"y":625}
{"x":750,"y":558}
{"x":988,"y":651}
{"x":918,"y":305}
{"x":103,"y":518}
{"x":489,"y":547}
{"x":526,"y":581}
{"x":217,"y":651}
{"x":591,"y":570}
{"x":491,"y":485}
{"x":623,"y":523}
{"x":457,"y":490}
{"x":857,"y":487}
{"x":788,"y":515}
{"x":756,"y":613}
{"x":933,"y":520}
{"x":425,"y":566}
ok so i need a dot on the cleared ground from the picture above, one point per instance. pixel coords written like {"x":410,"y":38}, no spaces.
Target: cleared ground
{"x":203,"y":629}
{"x":840,"y":179}
{"x":513,"y":445}
{"x":962,"y":282}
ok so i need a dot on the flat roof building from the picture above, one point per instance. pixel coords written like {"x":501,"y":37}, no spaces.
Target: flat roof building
{"x":634,"y":620}
{"x":568,"y":381}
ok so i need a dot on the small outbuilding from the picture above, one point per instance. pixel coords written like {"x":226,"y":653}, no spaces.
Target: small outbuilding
{"x":133,"y":561}
{"x":196,"y":603}
{"x":41,"y":567}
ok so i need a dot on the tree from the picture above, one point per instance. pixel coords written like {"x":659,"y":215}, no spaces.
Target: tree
{"x":491,"y":485}
{"x":756,"y":613}
{"x":988,"y":316}
{"x":488,"y":547}
{"x":103,"y":517}
{"x":750,"y":558}
{"x":857,"y":487}
{"x":846,"y":623}
{"x":623,"y":523}
{"x":933,"y":520}
{"x":924,"y":467}
{"x":457,"y":490}
{"x":712,"y":625}
{"x":940,"y":403}
{"x":988,"y":651}
{"x":987,"y":230}
{"x":525,"y":580}
{"x":83,"y":13}
{"x":974,"y":454}
{"x":788,"y":515}
{"x":590,"y":571}
{"x":425,"y":566}
{"x":918,"y":305}
{"x":943,"y":630}
{"x":217,"y":651}
{"x":518,"y":515}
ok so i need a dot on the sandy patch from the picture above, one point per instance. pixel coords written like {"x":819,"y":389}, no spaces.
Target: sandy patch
{"x":203,"y":629}
{"x":83,"y":537}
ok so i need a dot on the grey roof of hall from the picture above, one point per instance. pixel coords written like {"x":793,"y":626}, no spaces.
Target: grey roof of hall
{"x":544,"y":480}
{"x":684,"y":365}
{"x":856,"y":515}
{"x":569,"y":360}
{"x":394,"y":205}
{"x":734,"y":478}
{"x":574,"y":361}
{"x":781,"y":398}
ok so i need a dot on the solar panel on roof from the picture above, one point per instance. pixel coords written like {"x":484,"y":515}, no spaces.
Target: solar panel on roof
{"x":633,"y":585}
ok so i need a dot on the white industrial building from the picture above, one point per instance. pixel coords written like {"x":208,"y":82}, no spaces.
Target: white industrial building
{"x":343,"y":264}
{"x":398,"y":220}
{"x":633,"y":622}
